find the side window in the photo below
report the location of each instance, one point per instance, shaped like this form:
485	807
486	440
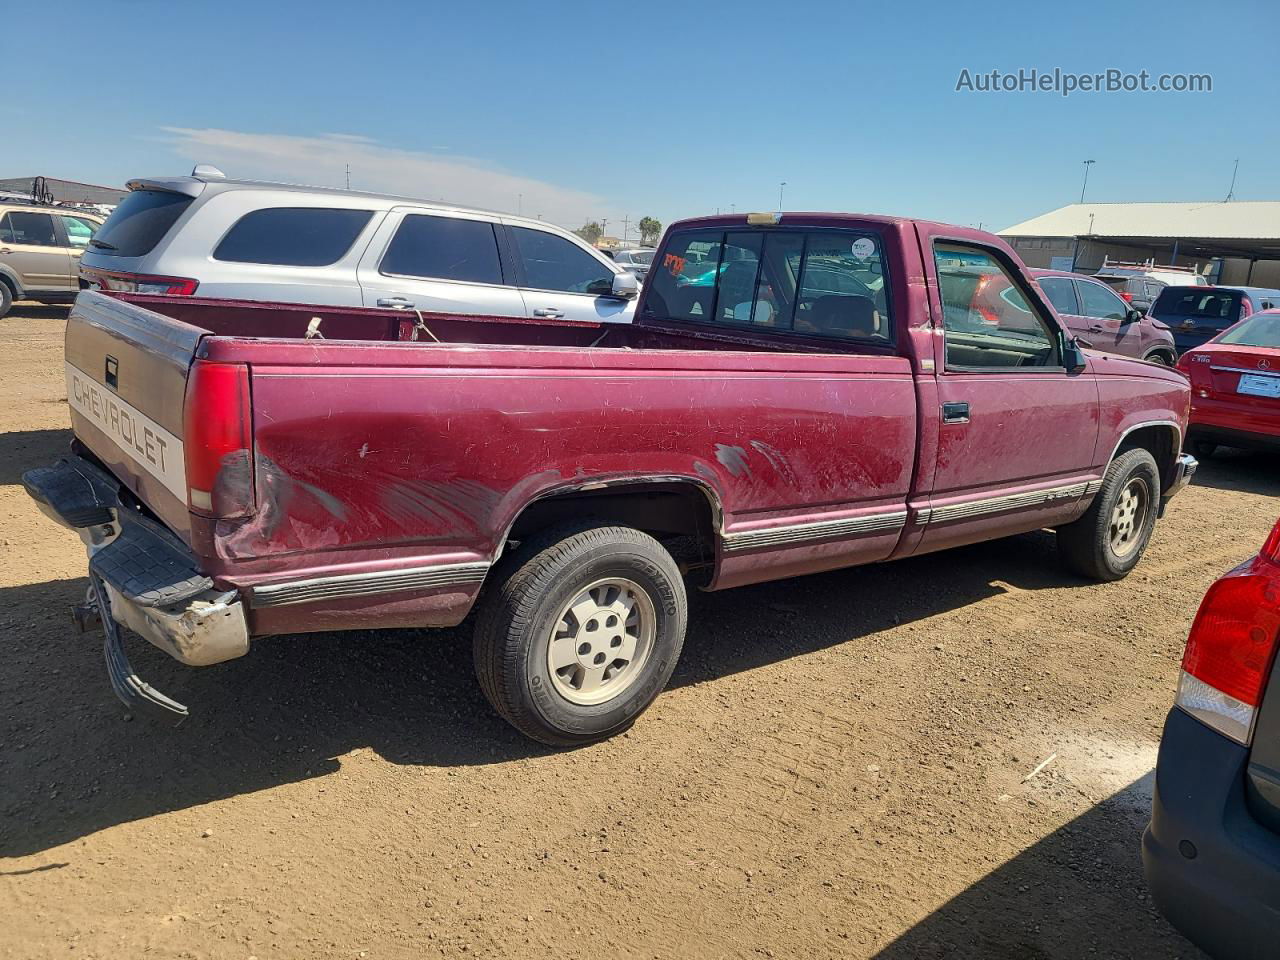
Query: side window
292	236
444	248
1097	301
6	232
987	321
1060	293
35	229
827	283
79	231
554	263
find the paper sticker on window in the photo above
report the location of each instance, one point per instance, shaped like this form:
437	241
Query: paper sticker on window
863	248
674	264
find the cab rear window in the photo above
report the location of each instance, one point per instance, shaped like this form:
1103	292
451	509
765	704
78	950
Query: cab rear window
139	222
292	236
827	283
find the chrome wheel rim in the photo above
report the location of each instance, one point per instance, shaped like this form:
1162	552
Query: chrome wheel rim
1128	517
601	641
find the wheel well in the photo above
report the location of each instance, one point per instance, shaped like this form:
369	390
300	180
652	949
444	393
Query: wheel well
1163	352
679	515
1160	440
9	282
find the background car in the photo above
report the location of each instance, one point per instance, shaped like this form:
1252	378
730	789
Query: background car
1195	313
1093	311
40	249
1212	851
634	261
1235	387
1140	283
207	235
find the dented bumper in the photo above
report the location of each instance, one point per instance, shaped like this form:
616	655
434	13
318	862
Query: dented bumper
141	577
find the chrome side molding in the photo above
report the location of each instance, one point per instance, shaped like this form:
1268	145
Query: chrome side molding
815	530
368	584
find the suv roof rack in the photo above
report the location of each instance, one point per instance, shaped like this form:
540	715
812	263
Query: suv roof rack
1148	264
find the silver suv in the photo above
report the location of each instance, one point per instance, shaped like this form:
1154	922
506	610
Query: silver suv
206	235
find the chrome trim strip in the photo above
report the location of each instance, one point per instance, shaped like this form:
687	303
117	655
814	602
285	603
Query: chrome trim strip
1011	501
923	514
1255	372
368	584
817	530
1092	487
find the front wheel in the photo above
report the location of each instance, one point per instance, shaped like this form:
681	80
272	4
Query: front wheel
581	633
1108	541
6	298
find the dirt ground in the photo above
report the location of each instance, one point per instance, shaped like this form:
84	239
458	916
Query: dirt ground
838	770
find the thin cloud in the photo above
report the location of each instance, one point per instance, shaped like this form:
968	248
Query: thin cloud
322	160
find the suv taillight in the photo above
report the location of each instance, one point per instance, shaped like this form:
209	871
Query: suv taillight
115	281
1232	644
217	439
1126	296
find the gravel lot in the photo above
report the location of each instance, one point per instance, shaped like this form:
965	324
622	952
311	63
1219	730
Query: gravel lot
839	769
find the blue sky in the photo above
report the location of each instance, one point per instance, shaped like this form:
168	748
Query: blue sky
577	110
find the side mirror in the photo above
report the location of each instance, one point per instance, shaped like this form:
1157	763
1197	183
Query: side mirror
1132	316
1073	357
625	286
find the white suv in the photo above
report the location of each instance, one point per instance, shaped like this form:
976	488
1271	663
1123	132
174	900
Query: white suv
206	235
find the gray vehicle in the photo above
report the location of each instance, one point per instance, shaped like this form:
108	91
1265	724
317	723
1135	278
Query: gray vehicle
207	235
634	261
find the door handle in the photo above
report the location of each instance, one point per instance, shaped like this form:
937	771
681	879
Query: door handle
549	312
1096	330
955	413
396	303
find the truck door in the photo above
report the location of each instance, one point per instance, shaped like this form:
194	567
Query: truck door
1016	429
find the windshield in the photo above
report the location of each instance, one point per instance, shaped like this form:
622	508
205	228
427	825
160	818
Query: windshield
1260	330
642	256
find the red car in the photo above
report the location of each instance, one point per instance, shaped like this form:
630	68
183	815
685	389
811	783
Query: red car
1235	387
1212	851
247	469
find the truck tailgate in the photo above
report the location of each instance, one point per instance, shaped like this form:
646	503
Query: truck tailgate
126	370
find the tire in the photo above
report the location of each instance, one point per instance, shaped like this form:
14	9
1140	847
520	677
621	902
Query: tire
614	575
6	298
1203	449
1160	357
1097	545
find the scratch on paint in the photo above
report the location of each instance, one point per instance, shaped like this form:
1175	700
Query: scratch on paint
364	450
734	459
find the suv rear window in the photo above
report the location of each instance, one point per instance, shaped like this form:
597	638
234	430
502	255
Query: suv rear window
292	236
138	223
824	283
1205	303
444	248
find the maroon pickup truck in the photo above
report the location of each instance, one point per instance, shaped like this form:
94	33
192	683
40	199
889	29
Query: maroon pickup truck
799	393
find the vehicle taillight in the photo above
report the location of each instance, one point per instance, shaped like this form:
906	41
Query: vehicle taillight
218	440
1127	297
119	282
1232	644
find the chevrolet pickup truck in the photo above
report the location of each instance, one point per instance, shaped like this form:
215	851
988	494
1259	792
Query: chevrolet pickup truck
799	393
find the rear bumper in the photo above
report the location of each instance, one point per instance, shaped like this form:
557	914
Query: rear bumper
1213	870
142	576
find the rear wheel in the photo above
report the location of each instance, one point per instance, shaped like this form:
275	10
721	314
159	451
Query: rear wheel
1160	357
580	633
1108	541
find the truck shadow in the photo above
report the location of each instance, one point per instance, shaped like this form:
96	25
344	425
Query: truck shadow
1246	471
20	450
74	765
1078	892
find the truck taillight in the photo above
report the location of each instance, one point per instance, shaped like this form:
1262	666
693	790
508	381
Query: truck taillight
1232	644
218	440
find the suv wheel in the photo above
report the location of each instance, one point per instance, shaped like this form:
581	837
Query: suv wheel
6	298
1160	357
581	633
1108	541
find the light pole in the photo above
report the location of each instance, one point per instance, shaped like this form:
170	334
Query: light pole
1087	164
781	186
